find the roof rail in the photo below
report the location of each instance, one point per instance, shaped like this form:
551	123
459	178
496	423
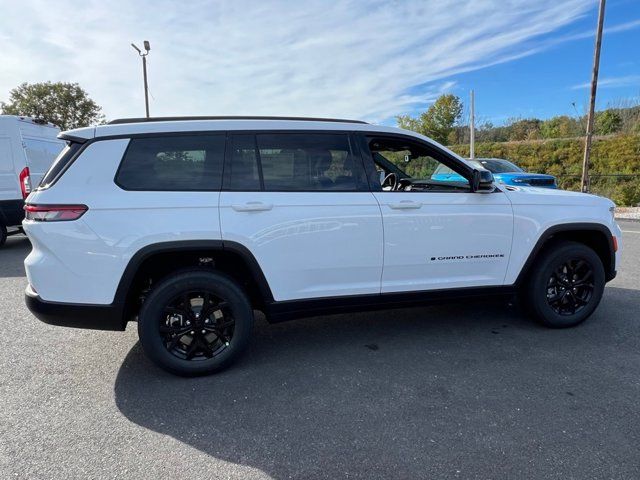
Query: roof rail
119	121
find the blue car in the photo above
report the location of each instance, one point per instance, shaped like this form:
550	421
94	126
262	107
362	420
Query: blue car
503	171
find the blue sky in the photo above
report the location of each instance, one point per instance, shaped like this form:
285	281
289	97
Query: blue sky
370	59
547	83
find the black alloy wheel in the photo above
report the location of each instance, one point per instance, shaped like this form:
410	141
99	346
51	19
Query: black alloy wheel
565	284
570	287
195	322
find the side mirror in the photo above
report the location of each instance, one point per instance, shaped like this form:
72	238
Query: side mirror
482	181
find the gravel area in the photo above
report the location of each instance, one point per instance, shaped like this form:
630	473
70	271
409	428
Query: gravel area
628	213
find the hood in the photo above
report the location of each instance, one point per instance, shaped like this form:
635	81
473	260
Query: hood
548	196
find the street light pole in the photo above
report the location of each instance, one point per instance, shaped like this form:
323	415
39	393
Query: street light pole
144	54
584	184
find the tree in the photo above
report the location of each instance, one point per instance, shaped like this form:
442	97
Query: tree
608	122
66	105
524	129
560	127
438	121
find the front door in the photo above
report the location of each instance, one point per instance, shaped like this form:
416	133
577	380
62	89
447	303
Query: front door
437	234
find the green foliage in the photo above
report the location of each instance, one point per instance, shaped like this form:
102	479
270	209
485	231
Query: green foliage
561	126
66	105
438	121
617	155
524	129
608	122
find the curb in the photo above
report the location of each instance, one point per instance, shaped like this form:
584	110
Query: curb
625	219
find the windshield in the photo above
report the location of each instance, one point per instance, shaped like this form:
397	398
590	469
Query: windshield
497	166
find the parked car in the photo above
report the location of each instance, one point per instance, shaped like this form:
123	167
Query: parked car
27	149
504	172
188	225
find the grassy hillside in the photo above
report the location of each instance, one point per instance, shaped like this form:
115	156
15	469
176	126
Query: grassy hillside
615	162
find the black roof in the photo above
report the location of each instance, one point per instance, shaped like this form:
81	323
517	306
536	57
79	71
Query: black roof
174	119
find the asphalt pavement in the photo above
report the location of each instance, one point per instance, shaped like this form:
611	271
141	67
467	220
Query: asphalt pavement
468	390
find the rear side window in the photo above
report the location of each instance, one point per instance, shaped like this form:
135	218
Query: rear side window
60	164
173	163
290	162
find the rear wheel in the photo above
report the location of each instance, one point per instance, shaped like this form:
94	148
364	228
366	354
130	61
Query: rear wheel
3	234
566	285
195	323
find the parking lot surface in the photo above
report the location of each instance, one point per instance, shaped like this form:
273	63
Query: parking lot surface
469	390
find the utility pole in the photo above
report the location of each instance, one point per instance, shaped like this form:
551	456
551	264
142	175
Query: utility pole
472	129
584	185
144	54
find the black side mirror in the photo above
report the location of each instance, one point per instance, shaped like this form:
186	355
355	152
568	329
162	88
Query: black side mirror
482	181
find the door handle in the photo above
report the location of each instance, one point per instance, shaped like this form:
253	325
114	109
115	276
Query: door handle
252	207
405	205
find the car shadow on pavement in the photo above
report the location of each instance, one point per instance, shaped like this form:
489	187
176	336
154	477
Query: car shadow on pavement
12	255
423	392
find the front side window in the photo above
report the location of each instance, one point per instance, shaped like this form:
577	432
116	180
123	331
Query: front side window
173	163
289	162
405	165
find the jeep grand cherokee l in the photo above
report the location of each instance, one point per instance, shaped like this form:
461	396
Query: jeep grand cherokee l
188	225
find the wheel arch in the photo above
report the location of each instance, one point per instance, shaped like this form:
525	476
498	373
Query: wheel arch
596	236
155	261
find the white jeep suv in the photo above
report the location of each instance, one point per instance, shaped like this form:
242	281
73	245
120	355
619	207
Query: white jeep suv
187	225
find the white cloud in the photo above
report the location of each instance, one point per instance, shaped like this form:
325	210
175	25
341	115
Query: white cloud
360	59
612	82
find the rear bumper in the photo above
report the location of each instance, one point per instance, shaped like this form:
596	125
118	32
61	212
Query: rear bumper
96	317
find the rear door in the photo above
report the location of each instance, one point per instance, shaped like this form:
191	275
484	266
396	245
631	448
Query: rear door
9	188
300	202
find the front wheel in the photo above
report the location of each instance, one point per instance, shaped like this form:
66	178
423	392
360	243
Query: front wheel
3	234
195	323
566	285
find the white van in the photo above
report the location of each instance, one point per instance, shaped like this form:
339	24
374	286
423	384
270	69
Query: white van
27	149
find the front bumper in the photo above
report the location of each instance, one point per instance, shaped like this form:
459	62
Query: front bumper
96	317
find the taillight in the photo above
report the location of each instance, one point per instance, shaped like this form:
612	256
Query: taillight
25	182
54	213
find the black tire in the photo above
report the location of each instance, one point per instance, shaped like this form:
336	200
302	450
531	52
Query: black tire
565	285
164	309
3	234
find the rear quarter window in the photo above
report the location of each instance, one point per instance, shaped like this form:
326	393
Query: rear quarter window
60	164
173	163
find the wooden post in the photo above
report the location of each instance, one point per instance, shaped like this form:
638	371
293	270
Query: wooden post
472	129
584	186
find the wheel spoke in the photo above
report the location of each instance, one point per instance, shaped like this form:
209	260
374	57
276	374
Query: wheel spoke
193	348
226	324
204	311
174	342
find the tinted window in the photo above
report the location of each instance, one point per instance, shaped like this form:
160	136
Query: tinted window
309	162
60	164
243	171
176	162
